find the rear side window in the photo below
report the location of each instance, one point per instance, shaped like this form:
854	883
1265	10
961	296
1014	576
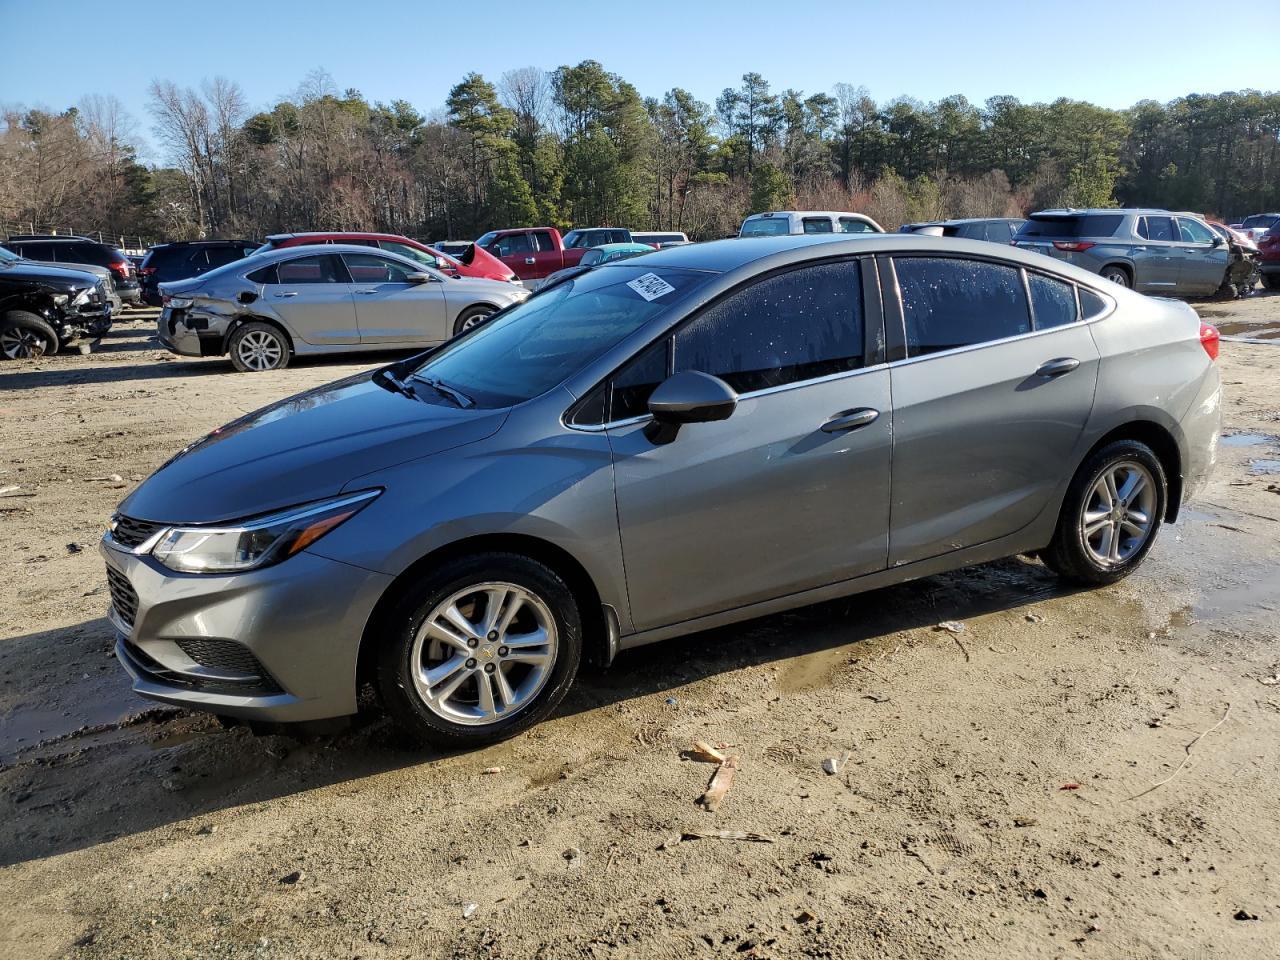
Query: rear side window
817	225
1089	225
1091	304
263	275
854	225
1053	303
786	328
1157	228
542	242
315	269
949	303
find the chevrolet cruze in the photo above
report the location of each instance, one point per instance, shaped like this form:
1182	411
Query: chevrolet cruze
703	435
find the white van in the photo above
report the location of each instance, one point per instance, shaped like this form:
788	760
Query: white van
779	223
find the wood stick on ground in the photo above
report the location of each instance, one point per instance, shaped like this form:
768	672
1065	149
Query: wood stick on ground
721	781
963	648
705	752
1187	751
726	835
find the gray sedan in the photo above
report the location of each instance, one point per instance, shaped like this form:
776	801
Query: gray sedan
336	298
653	448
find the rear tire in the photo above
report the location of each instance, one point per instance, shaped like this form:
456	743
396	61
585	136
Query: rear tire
483	647
26	336
472	317
1118	275
256	347
1106	528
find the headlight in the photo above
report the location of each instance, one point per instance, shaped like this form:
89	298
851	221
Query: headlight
180	303
82	297
60	299
256	543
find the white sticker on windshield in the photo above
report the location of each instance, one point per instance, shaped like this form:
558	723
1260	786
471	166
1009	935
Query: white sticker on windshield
650	286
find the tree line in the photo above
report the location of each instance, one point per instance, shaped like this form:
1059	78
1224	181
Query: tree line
579	146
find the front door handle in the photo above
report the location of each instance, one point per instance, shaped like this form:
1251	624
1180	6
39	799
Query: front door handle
366	293
851	420
288	293
1058	367
530	261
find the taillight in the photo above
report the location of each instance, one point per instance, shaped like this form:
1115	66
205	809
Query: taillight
120	267
146	271
1073	246
1209	339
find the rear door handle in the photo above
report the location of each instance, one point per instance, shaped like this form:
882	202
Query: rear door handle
366	293
851	420
529	260
1058	367
288	293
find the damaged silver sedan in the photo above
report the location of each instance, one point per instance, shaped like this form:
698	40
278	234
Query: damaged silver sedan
338	298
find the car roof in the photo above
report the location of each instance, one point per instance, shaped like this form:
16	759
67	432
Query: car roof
200	243
336	233
962	220
610	247
809	213
1094	211
765	253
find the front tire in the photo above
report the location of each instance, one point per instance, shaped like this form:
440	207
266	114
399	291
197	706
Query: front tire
472	317
25	336
481	649
256	347
1110	516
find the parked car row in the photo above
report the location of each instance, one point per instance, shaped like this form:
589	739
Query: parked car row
82	253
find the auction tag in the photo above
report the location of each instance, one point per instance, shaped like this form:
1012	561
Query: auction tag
650	286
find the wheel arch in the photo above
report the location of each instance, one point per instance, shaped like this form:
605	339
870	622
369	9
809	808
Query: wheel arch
1162	444
1124	265
596	629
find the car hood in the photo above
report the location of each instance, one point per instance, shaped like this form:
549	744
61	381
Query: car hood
35	270
303	448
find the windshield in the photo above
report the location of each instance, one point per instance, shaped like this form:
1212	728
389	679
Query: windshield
766	227
527	350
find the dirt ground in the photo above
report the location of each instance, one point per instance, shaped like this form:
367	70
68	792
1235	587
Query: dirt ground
1075	774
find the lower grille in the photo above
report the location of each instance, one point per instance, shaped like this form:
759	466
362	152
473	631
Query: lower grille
129	532
223	655
123	597
250	686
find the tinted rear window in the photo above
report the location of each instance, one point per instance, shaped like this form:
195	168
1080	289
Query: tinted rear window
1089	225
1259	220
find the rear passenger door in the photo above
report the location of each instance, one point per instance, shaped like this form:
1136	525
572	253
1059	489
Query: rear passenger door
1155	260
792	491
989	402
312	295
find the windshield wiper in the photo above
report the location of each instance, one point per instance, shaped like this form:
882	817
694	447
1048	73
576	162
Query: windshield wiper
387	380
442	388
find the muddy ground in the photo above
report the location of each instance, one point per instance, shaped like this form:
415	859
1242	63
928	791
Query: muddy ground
1033	787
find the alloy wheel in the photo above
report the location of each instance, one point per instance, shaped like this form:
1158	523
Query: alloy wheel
19	343
1118	513
476	319
259	350
484	653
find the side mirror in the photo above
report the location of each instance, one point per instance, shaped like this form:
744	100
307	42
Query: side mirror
421	278
688	397
1217	241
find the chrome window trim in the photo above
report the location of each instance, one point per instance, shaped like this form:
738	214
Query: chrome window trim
969	348
752	395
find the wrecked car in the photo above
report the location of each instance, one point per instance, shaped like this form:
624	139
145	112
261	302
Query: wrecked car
338	298
44	308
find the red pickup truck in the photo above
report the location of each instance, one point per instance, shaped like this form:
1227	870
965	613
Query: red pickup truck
535	253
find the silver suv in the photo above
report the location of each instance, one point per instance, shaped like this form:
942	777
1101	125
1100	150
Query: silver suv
1151	251
658	446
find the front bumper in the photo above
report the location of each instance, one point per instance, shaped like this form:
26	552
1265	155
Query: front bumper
278	644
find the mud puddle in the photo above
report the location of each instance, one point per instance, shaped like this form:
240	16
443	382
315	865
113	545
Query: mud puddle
1246	439
92	707
1245	332
1264	466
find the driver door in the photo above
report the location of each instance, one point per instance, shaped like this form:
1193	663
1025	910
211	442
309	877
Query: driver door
781	497
392	310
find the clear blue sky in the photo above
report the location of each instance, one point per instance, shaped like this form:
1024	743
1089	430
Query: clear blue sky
56	51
